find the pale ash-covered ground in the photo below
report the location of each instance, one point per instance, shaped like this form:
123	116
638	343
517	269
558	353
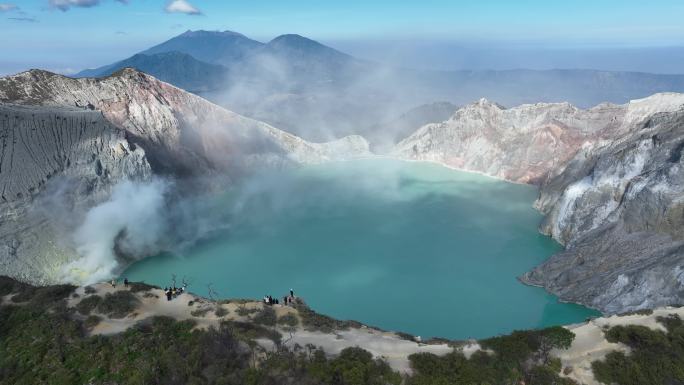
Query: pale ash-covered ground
42	148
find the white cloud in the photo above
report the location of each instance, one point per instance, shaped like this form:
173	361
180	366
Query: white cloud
182	6
6	7
64	5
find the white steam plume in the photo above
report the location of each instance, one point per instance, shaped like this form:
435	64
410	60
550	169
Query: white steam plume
130	222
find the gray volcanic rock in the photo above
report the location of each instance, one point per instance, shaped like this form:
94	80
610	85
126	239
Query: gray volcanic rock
611	188
67	142
181	133
528	143
40	144
619	208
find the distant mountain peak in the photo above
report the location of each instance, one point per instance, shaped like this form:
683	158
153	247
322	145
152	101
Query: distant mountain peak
300	45
205	33
294	40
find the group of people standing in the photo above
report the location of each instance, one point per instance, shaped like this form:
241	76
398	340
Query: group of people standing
173	292
114	281
287	300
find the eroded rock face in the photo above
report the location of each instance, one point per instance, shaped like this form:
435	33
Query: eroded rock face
181	133
612	189
42	148
76	138
528	143
619	209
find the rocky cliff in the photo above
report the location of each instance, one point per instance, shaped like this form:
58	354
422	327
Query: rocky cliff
180	132
611	183
74	139
619	209
42	147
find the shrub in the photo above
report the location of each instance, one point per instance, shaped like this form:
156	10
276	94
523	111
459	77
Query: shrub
118	304
655	357
288	319
221	311
406	336
672	322
89	290
44	296
266	316
92	321
9	285
637	312
244	311
201	312
136	287
319	322
87	304
356	366
250	331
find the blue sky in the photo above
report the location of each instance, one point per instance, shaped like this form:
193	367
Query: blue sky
68	35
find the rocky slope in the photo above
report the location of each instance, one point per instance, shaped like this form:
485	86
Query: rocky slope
76	138
611	184
619	208
181	132
41	148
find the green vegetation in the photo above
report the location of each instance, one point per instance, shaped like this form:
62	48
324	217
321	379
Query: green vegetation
9	286
266	316
88	304
405	336
637	312
320	322
118	304
89	290
44	342
92	321
244	311
288	320
201	312
221	311
655	357
248	332
136	287
515	358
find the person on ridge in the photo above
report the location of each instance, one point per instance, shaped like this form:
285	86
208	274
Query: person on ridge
125	282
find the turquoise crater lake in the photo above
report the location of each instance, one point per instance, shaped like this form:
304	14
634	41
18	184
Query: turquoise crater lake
406	246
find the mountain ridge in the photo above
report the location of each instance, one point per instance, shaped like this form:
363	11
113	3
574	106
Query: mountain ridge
170	133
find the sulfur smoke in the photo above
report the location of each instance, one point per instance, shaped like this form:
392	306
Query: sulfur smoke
130	223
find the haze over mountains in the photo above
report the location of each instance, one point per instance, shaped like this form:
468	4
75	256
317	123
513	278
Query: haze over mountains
609	175
319	93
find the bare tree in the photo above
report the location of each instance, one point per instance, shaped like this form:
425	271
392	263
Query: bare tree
213	295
